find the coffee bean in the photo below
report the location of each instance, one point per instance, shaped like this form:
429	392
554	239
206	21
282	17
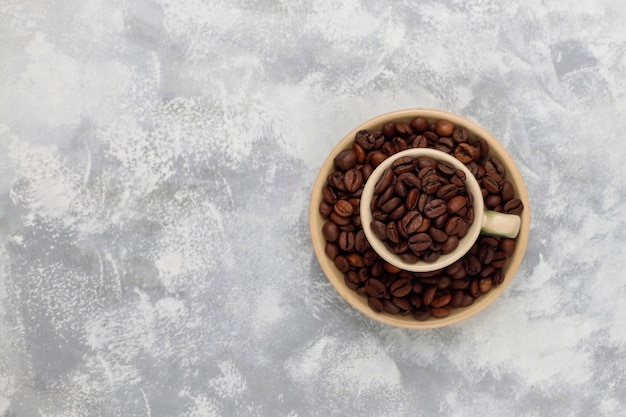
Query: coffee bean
387	195
325	209
384	182
441	300
484	285
353	179
507	192
499	259
472	264
403	305
507	246
514	206
375	304
456	204
428	296
491	184
375	288
460	135
365	140
332	250
343	208
342	264
411	199
389	130
391	205
401	287
355	260
345	160
339	220
451	243
376	158
398	213
464	152
330	231
403	165
446	192
419	124
431	183
379	229
435	208
453	225
392	232
403	129
444	127
420	242
440	312
359	152
346	241
412	221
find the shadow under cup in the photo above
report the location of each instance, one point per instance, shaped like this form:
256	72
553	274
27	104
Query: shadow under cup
487	222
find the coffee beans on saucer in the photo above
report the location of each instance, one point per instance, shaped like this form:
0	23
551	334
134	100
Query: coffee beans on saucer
404	213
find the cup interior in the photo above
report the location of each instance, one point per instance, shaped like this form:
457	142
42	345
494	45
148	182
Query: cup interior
465	243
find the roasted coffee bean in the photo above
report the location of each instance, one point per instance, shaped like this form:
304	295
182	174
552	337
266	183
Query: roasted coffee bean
421	314
403	129
464	152
441	300
409	257
330	231
497	277
446	192
491	183
431	183
329	195
390	307
460	284
403	165
432	138
456	204
403	304
339	220
391	205
361	243
367	170
400	288
389	130
325	209
387	195
375	288
420	242
445	145
345	160
375	304
359	152
507	192
440	312
410	180
460	135
472	265
494	164
365	140
412	221
384	182
499	259
343	208
411	199
429	295
451	243
514	206
353	179
355	260
435	208
332	250
398	213
346	241
443	282
376	158
507	246
342	264
335	180
453	225
474	288
392	232
400	189
492	201
379	228
431	255
419	124
437	235
444	127
392	269
485	254
484	284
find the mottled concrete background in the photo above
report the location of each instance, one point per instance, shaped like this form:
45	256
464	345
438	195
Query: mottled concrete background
156	159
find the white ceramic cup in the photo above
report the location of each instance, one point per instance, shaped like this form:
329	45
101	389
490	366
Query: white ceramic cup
485	222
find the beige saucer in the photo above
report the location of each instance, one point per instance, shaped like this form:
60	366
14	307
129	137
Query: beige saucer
336	278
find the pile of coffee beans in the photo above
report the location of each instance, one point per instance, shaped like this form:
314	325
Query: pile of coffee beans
388	288
421	208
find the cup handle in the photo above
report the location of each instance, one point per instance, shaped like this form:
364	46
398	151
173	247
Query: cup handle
500	224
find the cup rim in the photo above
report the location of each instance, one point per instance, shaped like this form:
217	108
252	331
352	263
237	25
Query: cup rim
465	243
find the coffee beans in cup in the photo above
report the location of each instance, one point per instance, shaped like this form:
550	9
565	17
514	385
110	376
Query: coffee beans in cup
422	295
421	208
